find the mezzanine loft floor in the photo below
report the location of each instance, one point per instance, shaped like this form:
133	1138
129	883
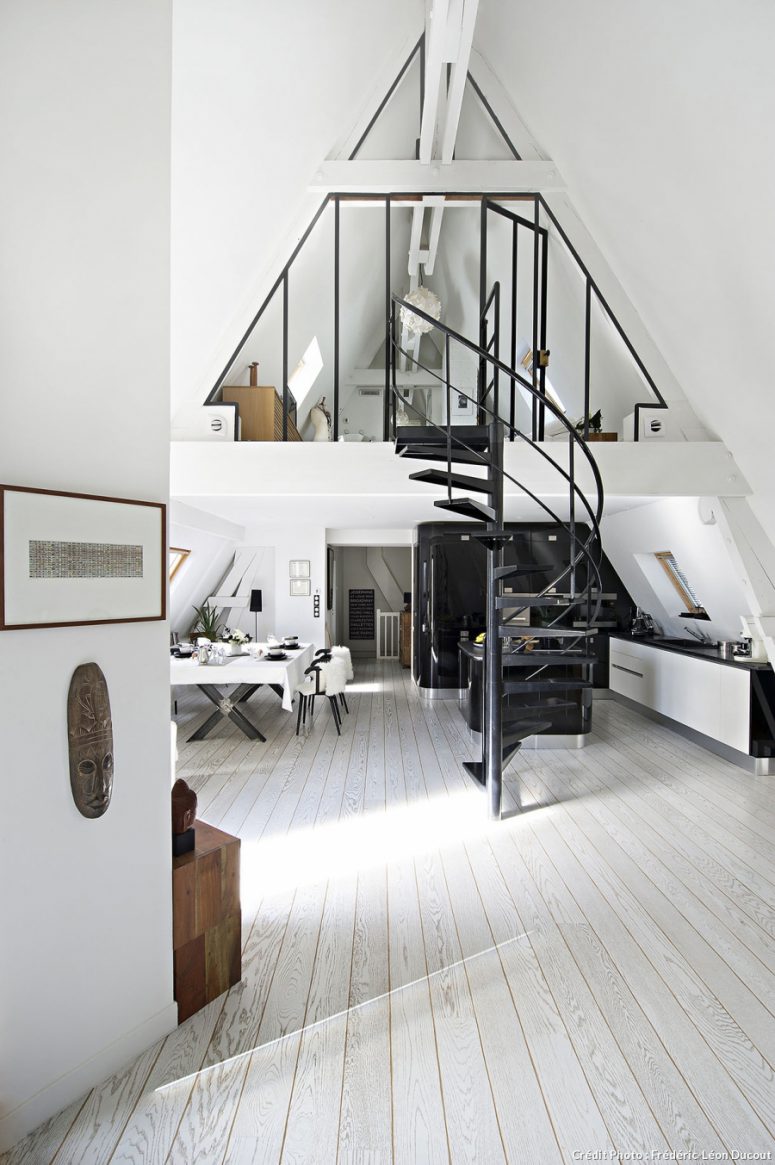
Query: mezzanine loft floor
418	985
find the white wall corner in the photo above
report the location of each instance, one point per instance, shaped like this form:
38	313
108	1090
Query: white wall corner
754	557
630	320
498	98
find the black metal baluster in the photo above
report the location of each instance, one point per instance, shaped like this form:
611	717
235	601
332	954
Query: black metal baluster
336	319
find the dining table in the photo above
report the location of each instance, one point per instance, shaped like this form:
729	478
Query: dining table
243	674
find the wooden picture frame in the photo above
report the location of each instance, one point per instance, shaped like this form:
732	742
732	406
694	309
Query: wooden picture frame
74	559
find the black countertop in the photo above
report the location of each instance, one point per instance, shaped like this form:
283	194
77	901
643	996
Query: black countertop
696	651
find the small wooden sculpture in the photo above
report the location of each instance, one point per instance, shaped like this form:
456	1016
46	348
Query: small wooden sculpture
184	802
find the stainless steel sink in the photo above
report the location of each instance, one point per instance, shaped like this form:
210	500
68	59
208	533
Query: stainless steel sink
693	644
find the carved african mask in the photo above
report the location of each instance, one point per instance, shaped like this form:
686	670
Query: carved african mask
90	740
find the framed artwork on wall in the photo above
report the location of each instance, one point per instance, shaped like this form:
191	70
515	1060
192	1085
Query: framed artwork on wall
301	588
462	408
70	559
299	568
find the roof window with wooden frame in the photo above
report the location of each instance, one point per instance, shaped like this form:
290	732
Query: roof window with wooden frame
176	559
681	584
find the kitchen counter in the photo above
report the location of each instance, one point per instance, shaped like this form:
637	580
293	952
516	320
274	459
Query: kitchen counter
695	650
570	715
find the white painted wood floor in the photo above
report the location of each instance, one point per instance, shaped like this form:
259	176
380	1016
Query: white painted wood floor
594	974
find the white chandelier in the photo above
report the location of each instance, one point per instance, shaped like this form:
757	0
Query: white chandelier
425	299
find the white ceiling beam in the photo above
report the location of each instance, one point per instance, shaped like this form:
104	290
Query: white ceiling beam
452	34
435	40
433	238
410	177
415	237
457	84
405	202
498	98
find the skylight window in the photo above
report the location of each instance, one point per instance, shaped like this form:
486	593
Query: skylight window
694	608
177	557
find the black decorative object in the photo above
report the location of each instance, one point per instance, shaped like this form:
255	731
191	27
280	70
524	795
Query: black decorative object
329	579
256	607
361	621
316	605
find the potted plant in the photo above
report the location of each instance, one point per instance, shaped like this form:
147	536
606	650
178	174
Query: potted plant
207	623
235	640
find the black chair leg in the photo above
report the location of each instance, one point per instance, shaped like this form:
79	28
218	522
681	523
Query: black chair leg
335	711
298	716
343	702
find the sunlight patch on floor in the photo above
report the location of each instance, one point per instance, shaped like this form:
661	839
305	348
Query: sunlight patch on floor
339	848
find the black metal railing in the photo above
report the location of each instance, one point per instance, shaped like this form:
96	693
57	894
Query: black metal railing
586	552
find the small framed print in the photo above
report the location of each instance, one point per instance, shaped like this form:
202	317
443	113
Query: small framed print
300	588
299	568
72	559
461	407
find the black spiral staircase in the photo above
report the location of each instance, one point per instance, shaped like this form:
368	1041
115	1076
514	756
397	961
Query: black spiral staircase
539	650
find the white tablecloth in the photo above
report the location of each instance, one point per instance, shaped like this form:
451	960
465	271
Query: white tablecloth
241	669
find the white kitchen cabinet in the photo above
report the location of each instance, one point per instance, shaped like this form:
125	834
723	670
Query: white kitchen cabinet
712	698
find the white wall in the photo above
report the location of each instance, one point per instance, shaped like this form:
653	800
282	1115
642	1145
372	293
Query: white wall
262	94
211	542
354	573
638	104
702	553
86	972
294	615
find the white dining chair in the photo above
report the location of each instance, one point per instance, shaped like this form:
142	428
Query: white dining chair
324	678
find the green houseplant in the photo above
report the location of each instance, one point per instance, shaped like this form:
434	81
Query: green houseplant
207	624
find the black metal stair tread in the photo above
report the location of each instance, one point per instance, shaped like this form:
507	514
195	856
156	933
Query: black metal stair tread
503	601
525	568
493	538
525	711
522	731
548	632
534	659
468	507
456	480
475	436
436	453
475	768
514	687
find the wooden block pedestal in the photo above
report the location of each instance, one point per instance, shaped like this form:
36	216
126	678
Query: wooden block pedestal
206	919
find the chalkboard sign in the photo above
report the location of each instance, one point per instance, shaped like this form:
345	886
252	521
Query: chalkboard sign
361	614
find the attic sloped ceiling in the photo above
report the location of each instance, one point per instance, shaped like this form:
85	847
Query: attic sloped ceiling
261	93
659	116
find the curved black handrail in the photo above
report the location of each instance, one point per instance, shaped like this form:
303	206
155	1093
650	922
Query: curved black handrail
512	373
583	549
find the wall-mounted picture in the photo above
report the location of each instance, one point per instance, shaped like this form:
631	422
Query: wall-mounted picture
300	588
68	559
461	406
299	568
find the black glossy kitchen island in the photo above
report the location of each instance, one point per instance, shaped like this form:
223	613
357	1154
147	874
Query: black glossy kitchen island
568	709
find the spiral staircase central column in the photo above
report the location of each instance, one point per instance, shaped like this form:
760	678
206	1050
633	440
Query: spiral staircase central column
493	691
